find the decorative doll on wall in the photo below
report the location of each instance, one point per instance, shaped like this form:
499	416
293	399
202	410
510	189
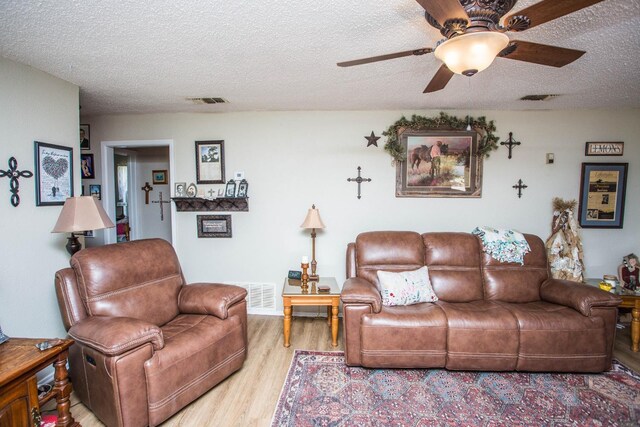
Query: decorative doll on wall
564	245
628	272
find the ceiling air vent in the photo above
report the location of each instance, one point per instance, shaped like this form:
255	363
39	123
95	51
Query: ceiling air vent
538	97
208	100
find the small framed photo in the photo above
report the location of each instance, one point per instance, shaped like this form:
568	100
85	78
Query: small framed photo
192	190
214	226
604	149
84	137
210	162
87	166
88	233
96	191
243	188
160	176
230	190
53	173
82	188
602	194
180	189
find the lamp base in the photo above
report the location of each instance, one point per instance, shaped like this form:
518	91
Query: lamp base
73	244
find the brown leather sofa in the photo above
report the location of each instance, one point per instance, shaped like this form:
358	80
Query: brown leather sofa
490	315
147	344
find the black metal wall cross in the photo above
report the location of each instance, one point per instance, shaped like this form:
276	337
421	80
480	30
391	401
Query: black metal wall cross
359	180
13	173
520	187
510	143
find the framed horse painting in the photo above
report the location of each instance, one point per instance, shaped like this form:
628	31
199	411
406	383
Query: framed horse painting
439	164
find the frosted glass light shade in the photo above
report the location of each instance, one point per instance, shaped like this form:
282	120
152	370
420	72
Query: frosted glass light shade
471	53
82	214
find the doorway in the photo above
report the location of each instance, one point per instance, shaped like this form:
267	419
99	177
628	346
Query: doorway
127	168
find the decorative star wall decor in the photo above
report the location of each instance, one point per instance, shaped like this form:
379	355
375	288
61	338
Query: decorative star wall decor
359	180
373	139
13	174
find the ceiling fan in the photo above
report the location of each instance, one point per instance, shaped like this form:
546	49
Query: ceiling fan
474	36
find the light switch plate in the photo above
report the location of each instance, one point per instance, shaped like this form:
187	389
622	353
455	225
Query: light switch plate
239	175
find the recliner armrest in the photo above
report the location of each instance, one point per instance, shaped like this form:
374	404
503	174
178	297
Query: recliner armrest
116	335
209	298
360	291
578	296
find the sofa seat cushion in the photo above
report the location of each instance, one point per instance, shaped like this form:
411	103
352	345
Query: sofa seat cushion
558	338
404	336
482	335
199	352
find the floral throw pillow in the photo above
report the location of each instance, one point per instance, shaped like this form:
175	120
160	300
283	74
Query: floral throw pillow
406	288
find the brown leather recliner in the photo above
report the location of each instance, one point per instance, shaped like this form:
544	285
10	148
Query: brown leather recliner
147	344
490	315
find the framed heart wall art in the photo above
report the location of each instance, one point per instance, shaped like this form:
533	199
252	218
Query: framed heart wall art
54	173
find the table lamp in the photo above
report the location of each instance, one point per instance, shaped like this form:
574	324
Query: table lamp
80	214
313	221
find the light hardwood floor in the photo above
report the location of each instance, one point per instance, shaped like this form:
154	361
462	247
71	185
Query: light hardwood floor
249	397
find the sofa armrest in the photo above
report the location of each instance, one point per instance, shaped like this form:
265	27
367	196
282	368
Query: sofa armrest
578	296
116	335
209	298
360	291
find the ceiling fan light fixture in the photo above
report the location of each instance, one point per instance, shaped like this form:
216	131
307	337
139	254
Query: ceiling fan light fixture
471	53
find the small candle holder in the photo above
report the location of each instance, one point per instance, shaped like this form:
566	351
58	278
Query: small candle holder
305	277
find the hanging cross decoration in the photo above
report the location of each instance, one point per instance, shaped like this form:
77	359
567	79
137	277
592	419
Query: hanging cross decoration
212	193
161	202
146	190
13	173
359	180
510	143
520	187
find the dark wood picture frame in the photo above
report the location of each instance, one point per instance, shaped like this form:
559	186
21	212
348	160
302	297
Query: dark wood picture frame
95	190
604	148
87	166
53	173
85	138
214	226
210	162
457	172
160	176
602	195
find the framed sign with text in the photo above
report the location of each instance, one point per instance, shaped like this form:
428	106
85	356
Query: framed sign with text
604	149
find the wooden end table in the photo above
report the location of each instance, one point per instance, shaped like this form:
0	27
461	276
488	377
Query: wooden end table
629	300
20	360
292	295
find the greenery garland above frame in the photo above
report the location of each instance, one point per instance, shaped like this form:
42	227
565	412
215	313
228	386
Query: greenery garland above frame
488	141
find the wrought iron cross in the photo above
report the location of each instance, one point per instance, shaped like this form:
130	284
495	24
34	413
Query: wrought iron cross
510	143
161	202
212	193
13	173
146	190
359	180
520	187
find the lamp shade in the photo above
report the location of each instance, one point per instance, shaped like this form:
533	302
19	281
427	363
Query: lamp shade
471	53
82	214
313	219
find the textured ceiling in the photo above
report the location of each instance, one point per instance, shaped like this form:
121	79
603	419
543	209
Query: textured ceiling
138	57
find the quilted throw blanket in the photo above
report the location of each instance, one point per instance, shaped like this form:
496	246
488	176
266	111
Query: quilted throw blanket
503	245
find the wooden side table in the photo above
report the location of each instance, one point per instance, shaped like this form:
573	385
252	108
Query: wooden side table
292	295
20	360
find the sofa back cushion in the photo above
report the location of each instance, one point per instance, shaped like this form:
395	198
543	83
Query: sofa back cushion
388	251
139	279
512	282
454	266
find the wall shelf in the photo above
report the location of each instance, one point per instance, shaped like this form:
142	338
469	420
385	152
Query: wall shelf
198	204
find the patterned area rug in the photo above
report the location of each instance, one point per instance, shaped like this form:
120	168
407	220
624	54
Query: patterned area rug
320	390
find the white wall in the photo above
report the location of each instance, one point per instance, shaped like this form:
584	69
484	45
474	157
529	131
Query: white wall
150	224
295	159
34	106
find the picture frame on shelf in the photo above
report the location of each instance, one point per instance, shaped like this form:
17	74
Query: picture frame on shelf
85	143
214	226
88	234
210	162
439	163
602	195
604	148
243	188
160	176
53	173
192	190
96	191
180	189
230	189
87	166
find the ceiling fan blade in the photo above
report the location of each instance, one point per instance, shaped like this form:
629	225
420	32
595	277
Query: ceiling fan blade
442	10
416	52
548	10
543	54
440	80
